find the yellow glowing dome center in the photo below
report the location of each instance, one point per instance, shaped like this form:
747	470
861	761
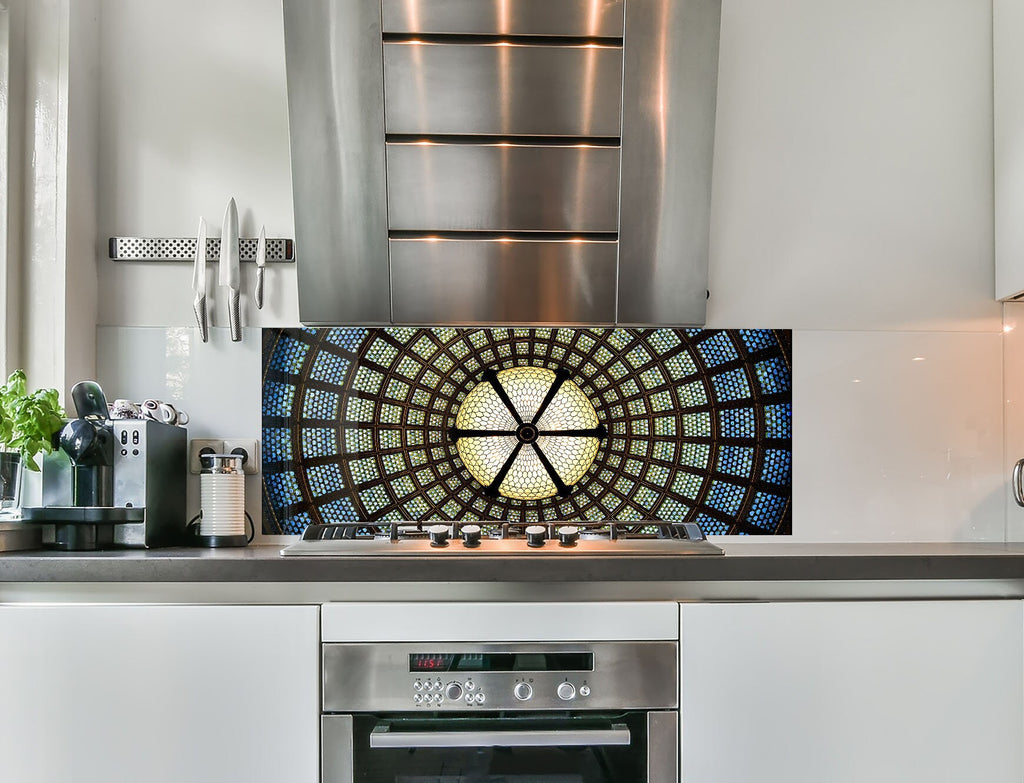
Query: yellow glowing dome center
527	433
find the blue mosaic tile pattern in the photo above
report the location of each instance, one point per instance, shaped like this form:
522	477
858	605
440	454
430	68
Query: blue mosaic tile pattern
355	425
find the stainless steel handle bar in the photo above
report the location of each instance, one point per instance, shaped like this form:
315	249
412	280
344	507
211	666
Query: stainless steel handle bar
383	737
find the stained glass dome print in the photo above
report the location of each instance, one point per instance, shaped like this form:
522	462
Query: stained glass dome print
386	424
526	433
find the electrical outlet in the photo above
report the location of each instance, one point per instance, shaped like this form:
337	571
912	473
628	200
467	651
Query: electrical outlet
197	446
250	450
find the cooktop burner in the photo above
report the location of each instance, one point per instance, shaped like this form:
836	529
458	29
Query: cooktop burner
653	538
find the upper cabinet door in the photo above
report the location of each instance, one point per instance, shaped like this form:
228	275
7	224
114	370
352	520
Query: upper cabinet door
502	161
1008	107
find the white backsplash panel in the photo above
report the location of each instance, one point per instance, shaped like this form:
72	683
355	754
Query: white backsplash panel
683	425
898	436
216	383
1013	394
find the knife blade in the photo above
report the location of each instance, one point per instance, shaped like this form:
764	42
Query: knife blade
261	262
199	282
229	274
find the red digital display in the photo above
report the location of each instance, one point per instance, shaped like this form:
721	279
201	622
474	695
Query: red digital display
430	662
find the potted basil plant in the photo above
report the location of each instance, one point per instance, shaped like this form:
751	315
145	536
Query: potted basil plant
28	423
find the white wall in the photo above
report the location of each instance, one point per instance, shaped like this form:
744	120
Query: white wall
852	203
194	112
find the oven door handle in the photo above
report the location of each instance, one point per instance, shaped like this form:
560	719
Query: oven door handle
383	737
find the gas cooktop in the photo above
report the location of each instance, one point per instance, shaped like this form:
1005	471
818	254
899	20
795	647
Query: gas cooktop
643	538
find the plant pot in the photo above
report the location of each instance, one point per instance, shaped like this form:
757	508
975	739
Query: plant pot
11	469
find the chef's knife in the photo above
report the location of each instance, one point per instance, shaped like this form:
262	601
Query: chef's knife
261	262
199	282
229	275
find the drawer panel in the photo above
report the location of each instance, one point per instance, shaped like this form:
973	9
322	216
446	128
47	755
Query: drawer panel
502	89
592	18
502	281
502	187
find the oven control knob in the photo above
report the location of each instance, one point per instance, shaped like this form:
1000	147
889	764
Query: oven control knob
584	690
438	535
566	691
471	535
522	691
453	692
568	535
535	535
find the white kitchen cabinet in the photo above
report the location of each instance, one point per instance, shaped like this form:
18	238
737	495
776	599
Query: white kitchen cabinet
1008	131
203	694
858	692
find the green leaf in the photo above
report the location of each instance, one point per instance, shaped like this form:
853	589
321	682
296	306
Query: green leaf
28	422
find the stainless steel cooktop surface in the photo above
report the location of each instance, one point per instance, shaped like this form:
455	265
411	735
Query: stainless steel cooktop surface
412	539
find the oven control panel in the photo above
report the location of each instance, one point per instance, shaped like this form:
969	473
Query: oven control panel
439	692
520	676
442	693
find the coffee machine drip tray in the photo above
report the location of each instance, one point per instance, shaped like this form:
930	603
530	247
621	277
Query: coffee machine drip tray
78	528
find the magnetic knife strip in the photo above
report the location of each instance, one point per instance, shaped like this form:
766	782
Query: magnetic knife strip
279	251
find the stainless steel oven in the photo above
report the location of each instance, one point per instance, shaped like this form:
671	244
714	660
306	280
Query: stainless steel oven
524	712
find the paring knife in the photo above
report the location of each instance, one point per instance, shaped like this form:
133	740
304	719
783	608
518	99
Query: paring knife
261	262
199	282
229	275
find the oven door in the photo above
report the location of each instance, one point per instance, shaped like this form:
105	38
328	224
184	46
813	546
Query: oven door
631	747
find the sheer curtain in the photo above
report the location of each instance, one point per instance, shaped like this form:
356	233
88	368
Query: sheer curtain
5	200
48	160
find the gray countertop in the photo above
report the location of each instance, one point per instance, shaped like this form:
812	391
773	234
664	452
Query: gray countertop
744	561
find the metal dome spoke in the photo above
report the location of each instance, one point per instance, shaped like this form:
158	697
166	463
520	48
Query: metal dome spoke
561	376
455	433
597	432
560	485
492	378
492	488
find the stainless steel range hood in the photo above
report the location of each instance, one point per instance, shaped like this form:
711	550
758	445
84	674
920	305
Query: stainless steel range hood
502	161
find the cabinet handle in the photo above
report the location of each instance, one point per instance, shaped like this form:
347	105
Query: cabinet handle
1018	486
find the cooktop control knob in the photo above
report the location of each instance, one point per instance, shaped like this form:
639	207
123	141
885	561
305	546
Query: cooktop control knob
568	535
566	691
471	535
438	535
523	691
535	535
453	692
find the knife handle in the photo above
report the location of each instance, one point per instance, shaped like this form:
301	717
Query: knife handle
235	317
199	305
258	293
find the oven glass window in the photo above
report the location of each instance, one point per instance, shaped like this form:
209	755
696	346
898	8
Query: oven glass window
476	755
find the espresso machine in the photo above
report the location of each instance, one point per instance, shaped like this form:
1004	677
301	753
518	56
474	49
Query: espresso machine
117	482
